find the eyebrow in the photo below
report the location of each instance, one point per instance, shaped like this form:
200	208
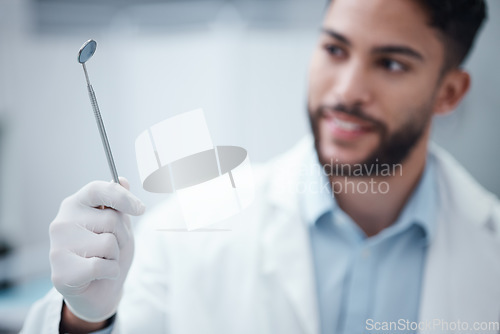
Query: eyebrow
396	49
336	35
391	49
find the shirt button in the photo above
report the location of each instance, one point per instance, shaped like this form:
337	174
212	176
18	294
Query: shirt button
365	253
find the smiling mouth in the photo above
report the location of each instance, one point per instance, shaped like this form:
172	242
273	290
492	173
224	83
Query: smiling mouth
345	125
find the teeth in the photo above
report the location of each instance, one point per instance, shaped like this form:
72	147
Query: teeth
346	125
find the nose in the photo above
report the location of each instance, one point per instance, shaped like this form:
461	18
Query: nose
352	85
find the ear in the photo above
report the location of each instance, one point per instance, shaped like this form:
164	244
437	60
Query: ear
454	85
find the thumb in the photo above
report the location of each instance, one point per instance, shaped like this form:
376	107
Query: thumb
124	182
111	195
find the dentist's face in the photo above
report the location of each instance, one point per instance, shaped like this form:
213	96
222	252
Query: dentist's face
372	81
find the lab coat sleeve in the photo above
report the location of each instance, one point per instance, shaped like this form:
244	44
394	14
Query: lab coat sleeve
45	315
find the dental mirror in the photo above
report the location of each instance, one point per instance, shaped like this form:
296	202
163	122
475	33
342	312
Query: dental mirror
85	53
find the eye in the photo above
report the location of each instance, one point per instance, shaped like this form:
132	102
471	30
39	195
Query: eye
392	65
334	50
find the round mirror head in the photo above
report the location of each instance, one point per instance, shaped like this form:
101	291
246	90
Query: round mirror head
87	51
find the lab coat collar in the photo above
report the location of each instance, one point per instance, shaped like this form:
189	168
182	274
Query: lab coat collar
286	172
315	190
464	194
462	268
287	254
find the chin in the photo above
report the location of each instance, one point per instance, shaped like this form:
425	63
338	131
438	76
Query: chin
332	152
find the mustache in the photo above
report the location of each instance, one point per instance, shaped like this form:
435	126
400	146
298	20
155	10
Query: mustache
354	110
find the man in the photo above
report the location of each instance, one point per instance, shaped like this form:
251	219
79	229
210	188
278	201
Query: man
408	242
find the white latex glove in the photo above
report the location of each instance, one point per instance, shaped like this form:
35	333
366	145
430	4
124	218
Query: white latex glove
91	249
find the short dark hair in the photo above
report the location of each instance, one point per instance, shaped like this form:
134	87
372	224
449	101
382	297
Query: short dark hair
458	22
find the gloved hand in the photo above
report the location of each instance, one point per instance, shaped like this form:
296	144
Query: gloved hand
91	248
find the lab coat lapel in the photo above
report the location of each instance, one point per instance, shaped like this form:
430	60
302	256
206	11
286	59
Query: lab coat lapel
463	264
286	252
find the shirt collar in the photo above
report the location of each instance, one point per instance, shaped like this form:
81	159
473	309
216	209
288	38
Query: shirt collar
420	210
316	192
421	207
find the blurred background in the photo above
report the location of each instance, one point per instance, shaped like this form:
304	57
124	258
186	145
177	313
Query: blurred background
243	61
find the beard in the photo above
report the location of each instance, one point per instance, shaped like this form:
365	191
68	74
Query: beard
394	146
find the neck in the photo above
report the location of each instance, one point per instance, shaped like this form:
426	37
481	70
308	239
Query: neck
375	203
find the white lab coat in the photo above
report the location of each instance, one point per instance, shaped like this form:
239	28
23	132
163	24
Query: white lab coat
259	277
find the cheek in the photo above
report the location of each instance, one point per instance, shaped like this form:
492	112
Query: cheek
319	80
400	99
407	107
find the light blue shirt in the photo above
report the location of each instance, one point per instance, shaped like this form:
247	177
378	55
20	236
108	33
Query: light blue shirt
361	280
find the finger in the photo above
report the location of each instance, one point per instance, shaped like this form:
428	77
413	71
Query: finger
124	182
103	269
104	246
108	221
111	195
72	273
75	234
